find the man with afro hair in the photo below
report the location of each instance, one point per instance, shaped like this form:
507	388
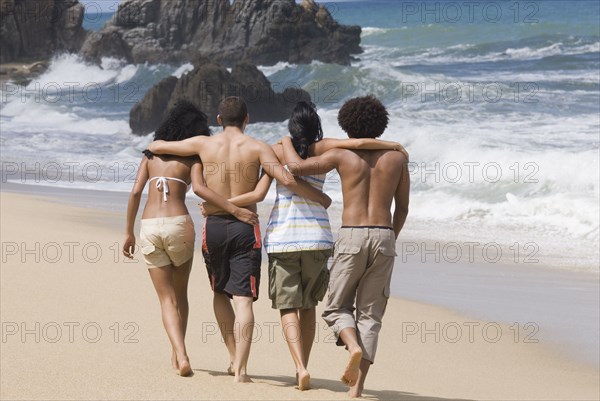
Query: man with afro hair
364	252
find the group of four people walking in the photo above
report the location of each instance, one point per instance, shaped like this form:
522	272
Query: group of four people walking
232	172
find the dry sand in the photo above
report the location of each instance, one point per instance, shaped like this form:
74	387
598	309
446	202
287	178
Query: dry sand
78	323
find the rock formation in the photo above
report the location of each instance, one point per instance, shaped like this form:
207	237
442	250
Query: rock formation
205	86
256	31
36	29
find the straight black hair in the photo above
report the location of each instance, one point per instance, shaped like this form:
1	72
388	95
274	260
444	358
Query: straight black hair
305	127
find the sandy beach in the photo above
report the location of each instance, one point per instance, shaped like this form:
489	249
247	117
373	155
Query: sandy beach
79	323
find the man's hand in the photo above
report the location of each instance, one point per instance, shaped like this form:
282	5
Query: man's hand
208	209
246	216
400	148
243	215
129	246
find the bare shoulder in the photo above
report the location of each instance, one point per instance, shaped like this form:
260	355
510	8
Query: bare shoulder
200	139
394	157
278	149
260	145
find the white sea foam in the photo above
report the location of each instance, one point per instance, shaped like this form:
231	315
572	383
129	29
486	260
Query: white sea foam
184	69
270	70
371	31
435	55
70	69
558	209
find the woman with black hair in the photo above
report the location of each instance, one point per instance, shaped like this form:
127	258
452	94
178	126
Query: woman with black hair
299	240
167	231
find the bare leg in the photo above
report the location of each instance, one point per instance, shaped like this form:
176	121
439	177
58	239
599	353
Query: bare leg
293	337
181	278
350	376
244	324
308	328
226	321
162	278
357	389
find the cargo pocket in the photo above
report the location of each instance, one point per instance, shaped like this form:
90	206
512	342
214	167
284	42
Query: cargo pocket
386	297
343	249
175	248
148	249
387	250
342	259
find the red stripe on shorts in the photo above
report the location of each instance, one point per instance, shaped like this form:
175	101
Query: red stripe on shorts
204	246
253	285
257	244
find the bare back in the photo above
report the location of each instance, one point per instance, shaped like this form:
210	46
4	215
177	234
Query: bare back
231	164
175	167
369	182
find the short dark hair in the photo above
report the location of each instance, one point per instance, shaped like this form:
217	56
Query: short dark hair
183	121
233	111
363	117
305	127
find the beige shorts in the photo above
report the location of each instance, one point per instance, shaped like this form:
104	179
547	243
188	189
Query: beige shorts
298	280
167	240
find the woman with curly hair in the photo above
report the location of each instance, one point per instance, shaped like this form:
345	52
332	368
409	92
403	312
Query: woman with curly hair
167	231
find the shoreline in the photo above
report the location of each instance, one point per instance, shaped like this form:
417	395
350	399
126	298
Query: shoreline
535	296
458	252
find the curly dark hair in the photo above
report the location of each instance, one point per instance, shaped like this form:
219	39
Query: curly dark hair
305	127
363	117
183	121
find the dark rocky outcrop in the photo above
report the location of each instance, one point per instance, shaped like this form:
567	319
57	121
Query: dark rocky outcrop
256	31
205	86
36	29
146	115
109	43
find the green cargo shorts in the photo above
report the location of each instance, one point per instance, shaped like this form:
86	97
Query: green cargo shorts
298	280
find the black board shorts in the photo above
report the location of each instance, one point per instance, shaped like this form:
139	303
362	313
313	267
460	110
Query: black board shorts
232	253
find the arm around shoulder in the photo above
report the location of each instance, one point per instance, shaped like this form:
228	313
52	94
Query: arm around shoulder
313	165
187	147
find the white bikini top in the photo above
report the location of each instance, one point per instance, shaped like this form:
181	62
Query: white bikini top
162	183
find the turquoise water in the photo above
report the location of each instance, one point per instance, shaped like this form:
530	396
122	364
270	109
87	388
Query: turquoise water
499	110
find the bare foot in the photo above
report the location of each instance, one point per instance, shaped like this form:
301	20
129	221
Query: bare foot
174	361
242	379
352	369
303	379
185	368
230	370
355	392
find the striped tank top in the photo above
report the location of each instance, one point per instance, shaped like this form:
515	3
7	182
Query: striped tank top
297	224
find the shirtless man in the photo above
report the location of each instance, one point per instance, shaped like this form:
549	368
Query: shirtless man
365	248
231	248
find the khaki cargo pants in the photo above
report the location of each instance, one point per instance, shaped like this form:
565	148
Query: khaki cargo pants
360	277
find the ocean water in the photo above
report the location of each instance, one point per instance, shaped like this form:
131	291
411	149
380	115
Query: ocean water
497	103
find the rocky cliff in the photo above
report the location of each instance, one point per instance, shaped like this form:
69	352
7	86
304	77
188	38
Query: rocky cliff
256	31
205	86
36	29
